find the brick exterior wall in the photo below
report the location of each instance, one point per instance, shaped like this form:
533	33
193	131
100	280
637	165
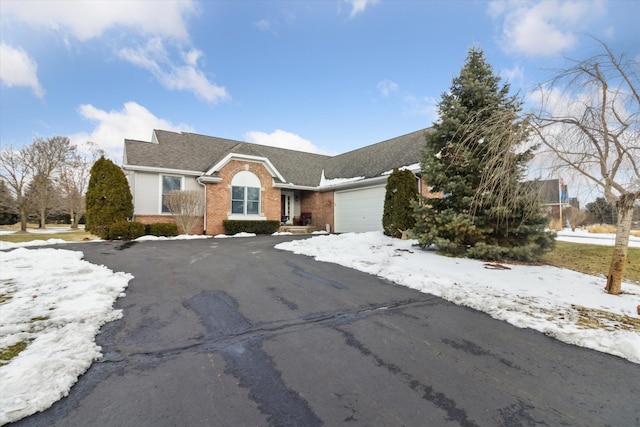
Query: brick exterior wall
219	195
425	191
165	219
320	204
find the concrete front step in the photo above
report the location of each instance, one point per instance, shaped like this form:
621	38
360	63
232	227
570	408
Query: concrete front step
297	229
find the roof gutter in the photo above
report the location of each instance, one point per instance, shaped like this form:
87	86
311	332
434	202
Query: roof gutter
161	170
208	179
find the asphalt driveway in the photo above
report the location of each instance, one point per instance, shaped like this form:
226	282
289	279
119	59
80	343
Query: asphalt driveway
231	332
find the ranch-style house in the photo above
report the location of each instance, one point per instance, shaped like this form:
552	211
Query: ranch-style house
246	181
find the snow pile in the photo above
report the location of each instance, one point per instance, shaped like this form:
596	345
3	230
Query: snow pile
147	238
570	306
584	237
241	234
10	245
58	317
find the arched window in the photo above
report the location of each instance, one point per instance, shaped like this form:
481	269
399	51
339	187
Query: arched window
245	194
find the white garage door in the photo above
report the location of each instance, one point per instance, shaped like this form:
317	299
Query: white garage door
359	209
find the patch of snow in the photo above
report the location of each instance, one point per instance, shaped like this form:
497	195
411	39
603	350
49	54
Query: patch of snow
58	317
10	245
583	236
413	167
226	236
282	233
178	237
324	182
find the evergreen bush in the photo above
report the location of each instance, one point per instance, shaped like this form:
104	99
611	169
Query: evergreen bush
401	190
258	227
125	230
162	229
108	198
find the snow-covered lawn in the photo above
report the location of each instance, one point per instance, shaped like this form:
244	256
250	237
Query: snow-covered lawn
56	303
59	317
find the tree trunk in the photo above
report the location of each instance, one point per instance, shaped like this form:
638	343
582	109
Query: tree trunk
72	219
43	218
621	246
23	219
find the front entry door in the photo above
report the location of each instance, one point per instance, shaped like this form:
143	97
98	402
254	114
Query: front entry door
286	207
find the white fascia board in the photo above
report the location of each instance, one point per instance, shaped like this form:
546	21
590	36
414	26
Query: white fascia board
245	157
161	170
342	186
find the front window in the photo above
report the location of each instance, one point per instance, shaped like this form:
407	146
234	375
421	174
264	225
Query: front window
169	183
245	194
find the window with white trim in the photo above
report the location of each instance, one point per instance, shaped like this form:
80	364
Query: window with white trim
169	183
245	194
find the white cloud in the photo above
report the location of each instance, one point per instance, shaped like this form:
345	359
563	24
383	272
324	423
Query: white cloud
543	28
282	139
387	87
263	25
88	19
513	75
425	106
359	6
157	21
157	60
132	122
413	105
17	68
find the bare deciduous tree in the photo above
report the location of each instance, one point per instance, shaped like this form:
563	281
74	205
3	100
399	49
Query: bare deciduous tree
186	206
46	156
16	171
43	198
589	120
72	181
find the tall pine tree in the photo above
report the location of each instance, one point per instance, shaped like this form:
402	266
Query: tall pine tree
475	157
108	197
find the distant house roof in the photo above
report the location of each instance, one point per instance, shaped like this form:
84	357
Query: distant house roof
198	153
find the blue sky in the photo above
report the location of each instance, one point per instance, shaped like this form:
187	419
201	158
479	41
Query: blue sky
327	76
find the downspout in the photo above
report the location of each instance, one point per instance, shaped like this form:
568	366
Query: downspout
204	219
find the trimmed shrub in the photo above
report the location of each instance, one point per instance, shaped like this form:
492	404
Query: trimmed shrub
125	230
258	227
108	198
398	214
162	229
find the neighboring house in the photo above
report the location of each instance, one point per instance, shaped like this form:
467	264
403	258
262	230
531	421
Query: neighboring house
245	181
554	193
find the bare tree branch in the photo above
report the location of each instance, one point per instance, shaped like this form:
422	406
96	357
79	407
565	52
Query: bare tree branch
186	206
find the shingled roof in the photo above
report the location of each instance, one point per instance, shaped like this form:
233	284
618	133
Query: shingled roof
198	153
377	159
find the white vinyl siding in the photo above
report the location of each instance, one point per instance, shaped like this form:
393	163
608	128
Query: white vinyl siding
147	190
359	210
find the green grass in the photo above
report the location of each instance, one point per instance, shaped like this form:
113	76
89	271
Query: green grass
10	352
591	259
70	236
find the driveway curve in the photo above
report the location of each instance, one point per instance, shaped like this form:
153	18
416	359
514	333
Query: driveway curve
232	332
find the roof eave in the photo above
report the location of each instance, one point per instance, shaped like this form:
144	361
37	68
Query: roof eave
155	169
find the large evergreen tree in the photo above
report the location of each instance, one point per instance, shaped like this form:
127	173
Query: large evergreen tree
401	190
475	157
108	197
